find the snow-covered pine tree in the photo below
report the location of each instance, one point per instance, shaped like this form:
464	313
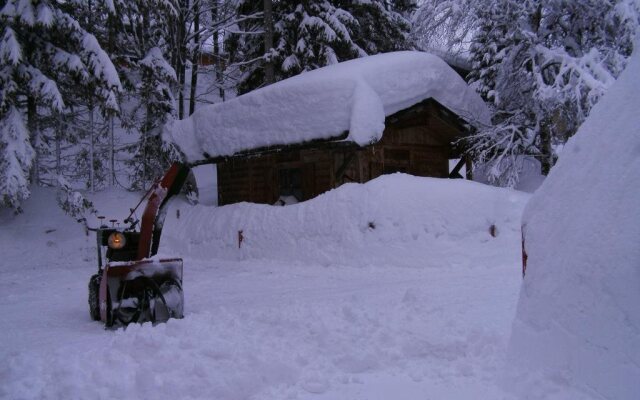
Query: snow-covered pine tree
312	34
380	26
97	103
543	65
16	156
157	103
498	149
140	43
406	8
73	202
43	45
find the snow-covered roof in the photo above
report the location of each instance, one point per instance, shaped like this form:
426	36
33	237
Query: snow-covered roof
354	96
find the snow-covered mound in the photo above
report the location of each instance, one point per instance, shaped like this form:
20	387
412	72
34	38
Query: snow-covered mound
578	317
394	219
353	96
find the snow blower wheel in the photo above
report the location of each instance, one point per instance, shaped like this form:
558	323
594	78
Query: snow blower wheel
143	299
94	297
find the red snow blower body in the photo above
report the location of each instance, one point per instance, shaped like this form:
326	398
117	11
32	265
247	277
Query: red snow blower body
133	284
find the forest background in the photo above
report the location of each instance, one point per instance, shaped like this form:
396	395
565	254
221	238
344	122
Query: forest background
86	86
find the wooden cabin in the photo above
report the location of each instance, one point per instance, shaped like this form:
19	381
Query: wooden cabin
347	122
419	140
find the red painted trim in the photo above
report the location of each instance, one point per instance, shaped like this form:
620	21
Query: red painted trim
524	255
151	210
102	298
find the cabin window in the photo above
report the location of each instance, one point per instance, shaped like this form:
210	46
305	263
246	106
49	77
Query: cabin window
291	183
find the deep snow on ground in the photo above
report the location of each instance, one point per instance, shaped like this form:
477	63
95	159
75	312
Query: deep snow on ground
578	315
316	304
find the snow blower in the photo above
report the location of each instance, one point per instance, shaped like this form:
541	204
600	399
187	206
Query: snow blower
132	283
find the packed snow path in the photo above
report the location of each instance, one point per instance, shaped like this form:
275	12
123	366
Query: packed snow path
434	327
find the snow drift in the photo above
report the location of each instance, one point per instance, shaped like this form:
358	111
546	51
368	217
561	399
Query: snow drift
356	224
578	318
353	96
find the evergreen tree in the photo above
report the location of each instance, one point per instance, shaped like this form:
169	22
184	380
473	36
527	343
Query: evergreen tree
542	65
72	202
380	28
16	156
312	34
307	35
140	43
406	8
43	47
157	102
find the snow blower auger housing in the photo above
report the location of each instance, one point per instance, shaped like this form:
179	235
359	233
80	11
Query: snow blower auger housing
133	284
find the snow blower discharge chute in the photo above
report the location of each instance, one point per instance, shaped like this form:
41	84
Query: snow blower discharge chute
132	284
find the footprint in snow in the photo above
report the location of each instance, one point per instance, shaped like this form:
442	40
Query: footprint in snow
316	385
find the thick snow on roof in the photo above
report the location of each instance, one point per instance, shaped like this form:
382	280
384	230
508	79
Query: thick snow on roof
578	318
353	96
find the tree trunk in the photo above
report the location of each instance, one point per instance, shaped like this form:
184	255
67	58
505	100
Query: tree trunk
145	145
182	55
91	150
112	153
58	151
546	157
32	125
468	163
269	74
216	52
195	59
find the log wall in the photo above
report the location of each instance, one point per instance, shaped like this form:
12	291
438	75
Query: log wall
417	141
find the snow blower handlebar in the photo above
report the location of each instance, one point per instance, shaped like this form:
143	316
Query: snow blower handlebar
130	219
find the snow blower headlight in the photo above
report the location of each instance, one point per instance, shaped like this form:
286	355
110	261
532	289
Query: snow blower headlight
116	240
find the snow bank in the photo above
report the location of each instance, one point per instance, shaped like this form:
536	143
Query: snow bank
356	224
578	318
353	96
529	179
